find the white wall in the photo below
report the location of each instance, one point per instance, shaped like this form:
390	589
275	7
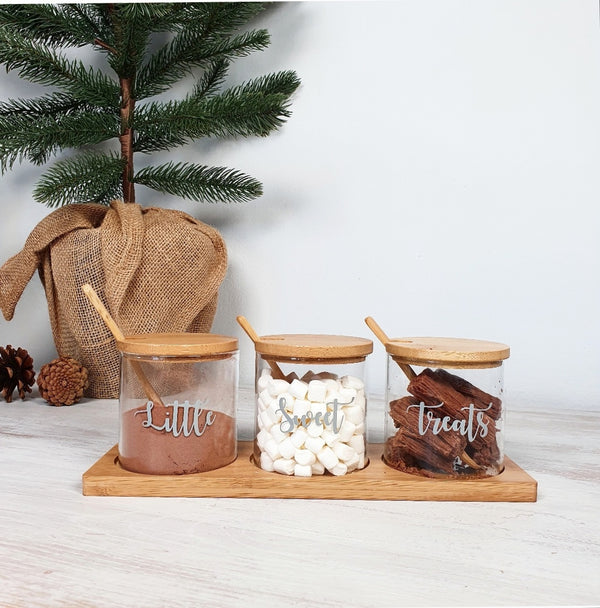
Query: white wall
440	172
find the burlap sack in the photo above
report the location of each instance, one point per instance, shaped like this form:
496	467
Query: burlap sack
156	270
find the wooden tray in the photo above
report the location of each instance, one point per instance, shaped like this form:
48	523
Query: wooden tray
243	479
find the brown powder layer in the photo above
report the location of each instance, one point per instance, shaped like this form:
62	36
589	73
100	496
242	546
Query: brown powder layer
147	450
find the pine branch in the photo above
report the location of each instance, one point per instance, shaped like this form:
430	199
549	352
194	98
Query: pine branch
81	179
39	64
37	137
52	25
100	15
160	14
90	16
132	25
199	183
191	49
279	83
53	104
218	18
255	108
213	77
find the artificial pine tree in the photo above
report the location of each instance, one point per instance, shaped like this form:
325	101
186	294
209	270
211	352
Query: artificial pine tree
91	106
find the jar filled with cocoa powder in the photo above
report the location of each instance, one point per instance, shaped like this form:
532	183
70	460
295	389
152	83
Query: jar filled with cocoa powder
177	402
311	404
445	407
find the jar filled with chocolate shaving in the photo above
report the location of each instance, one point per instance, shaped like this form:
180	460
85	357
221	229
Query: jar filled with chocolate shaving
445	410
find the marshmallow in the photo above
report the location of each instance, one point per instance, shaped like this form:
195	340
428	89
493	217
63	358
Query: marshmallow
317	468
262	405
261	383
339	469
303	470
352	382
262	437
272	449
318	407
310	448
331	397
275	411
314	429
357	443
266	419
343	451
304	457
276	387
327	458
266	464
354	414
287	400
299	437
286	448
266	397
347	431
330	437
284	465
352	464
301	407
277	434
314	444
347	396
331	384
299	389
316	390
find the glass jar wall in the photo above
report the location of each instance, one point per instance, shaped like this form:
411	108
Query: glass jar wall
445	407
178	403
311	404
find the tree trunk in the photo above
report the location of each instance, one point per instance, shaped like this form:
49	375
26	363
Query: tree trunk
126	139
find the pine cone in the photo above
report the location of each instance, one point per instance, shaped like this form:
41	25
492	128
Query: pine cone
62	381
16	371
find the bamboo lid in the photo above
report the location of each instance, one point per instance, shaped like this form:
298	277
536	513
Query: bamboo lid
314	346
460	351
177	345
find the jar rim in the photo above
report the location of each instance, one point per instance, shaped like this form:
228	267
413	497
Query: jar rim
177	344
447	350
326	347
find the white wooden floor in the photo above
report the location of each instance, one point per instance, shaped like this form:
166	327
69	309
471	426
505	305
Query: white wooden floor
60	548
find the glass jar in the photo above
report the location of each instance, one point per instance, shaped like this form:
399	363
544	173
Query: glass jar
177	403
445	410
311	404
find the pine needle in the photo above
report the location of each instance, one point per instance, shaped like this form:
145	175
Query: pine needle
200	183
81	179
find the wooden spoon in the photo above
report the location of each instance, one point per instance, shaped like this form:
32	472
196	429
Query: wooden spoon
410	374
277	373
118	335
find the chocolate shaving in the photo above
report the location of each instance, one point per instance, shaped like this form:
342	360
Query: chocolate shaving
419	449
479	398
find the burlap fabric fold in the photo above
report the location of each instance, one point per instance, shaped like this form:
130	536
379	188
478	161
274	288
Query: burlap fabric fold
156	270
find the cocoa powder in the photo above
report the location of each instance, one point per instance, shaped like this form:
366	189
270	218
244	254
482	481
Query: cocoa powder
161	448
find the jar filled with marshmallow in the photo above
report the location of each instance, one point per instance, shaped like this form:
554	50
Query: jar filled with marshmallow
311	404
445	413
